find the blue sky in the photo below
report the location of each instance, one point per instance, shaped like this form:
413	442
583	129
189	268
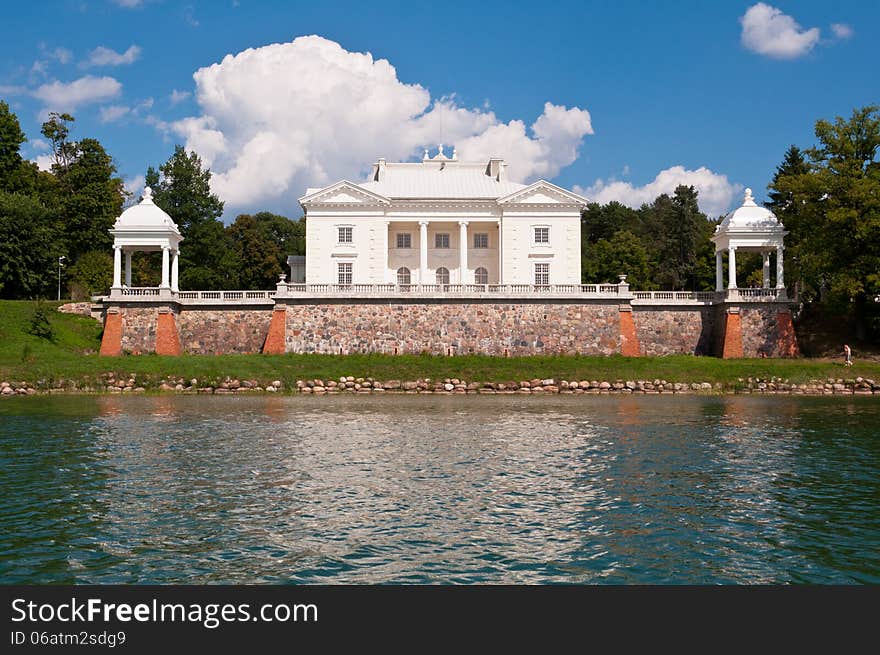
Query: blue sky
641	96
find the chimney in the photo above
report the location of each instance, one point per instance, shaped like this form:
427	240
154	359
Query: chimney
379	170
495	169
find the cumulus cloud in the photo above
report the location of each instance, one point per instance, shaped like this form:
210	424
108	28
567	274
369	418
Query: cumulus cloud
44	162
134	186
279	118
102	56
113	113
842	30
177	97
715	191
767	31
67	96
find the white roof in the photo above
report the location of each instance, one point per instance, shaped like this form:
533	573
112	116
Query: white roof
749	216
145	214
440	179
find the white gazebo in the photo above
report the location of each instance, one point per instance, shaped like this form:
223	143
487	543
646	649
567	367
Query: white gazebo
749	228
144	227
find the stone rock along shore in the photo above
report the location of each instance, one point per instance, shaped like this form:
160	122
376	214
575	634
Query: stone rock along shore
112	383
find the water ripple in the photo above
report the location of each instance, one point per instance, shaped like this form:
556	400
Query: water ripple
439	490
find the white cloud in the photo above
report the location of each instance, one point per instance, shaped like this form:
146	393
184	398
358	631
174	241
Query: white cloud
767	31
66	96
113	113
177	97
129	4
44	162
842	30
134	185
282	117
38	145
715	190
102	56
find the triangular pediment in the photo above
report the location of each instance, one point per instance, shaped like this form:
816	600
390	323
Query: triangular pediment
343	193
543	193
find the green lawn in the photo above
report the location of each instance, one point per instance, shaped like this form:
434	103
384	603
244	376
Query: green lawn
72	355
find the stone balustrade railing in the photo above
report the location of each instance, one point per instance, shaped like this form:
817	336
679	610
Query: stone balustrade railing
293	291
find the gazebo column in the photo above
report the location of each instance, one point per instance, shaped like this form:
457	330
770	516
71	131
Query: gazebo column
423	252
175	270
719	271
780	274
766	269
165	266
731	265
128	268
117	266
462	252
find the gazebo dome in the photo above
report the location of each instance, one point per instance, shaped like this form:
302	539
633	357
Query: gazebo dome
145	214
749	216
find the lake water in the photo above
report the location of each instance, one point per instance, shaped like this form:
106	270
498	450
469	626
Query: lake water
437	489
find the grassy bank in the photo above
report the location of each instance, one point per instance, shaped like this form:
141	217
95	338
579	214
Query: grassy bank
72	355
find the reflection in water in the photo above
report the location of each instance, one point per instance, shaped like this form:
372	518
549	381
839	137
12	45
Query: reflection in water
422	489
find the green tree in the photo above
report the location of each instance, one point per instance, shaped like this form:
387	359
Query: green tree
623	254
208	260
28	247
11	138
833	215
92	274
184	191
259	256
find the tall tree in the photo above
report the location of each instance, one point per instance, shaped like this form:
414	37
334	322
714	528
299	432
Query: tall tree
11	138
835	230
258	254
184	191
28	247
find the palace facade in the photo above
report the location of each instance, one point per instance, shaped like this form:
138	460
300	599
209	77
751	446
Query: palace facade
439	222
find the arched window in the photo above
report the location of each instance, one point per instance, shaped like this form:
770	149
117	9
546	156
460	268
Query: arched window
442	275
403	276
481	276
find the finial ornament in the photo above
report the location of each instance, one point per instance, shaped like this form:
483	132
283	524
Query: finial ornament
748	198
426	153
148	195
440	151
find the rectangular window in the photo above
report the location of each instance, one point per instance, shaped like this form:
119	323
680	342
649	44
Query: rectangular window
481	240
542	235
441	240
404	240
542	274
345	234
344	269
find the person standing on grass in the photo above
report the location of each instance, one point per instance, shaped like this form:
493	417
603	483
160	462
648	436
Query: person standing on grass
847	353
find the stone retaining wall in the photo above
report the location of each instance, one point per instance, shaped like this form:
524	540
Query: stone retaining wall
598	327
454	328
675	330
219	331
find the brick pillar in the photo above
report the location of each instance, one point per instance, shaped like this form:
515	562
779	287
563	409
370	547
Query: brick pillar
275	340
732	346
629	340
167	339
788	345
111	342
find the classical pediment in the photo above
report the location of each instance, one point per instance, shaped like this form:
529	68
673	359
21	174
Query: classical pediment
542	193
343	193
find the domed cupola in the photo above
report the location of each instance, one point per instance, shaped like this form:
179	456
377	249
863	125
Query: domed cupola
145	227
749	228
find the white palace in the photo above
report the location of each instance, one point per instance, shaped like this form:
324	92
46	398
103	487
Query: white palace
442	221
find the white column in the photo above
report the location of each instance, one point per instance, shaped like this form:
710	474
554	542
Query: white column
719	271
117	266
462	251
780	275
175	271
165	257
766	269
128	268
500	256
384	277
731	266
423	252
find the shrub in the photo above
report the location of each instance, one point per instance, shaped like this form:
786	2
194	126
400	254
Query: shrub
39	325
